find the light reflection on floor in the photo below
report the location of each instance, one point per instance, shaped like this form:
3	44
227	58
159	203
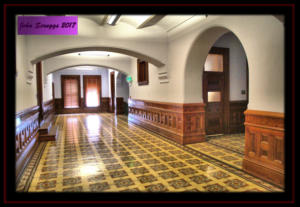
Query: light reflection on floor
101	153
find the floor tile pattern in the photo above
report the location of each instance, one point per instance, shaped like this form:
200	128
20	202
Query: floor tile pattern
232	142
104	153
222	154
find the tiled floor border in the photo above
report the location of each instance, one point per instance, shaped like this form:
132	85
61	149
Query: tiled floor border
23	184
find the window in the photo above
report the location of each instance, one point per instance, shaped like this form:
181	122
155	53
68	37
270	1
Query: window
70	91
92	90
142	72
214	96
214	63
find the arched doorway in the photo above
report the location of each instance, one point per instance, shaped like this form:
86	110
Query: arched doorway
264	50
225	86
224	92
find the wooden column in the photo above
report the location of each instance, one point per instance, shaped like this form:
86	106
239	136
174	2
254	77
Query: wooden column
39	86
112	88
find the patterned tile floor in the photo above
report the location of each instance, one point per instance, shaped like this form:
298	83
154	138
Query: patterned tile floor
233	142
226	148
104	153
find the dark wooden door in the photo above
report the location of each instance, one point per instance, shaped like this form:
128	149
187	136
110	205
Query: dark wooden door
215	91
214	100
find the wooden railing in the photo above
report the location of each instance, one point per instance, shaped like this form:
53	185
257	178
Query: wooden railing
26	135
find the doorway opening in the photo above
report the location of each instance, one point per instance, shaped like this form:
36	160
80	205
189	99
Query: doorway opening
225	86
225	94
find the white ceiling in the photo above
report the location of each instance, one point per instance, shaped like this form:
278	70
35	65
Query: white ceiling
167	23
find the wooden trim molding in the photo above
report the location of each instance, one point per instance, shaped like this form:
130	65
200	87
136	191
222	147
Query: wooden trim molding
39	88
26	134
183	123
112	92
264	145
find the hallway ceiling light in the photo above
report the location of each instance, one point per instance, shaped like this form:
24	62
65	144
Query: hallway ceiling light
112	20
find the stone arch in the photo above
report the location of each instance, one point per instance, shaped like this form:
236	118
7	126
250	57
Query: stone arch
196	59
132	53
107	67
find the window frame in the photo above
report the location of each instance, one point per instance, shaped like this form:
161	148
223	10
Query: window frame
63	78
85	77
145	80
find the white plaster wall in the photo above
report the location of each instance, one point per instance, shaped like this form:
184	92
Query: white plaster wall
122	87
154	91
100	71
237	66
25	93
47	88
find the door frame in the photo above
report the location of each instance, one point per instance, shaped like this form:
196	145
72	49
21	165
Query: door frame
112	90
226	104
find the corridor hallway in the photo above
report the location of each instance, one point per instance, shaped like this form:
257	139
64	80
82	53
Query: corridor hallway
106	153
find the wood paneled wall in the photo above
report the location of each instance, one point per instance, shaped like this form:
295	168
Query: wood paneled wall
264	145
236	116
26	137
183	123
104	107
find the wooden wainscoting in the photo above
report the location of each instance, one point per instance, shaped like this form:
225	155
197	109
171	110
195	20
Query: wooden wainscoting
183	123
264	145
236	116
104	107
26	136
